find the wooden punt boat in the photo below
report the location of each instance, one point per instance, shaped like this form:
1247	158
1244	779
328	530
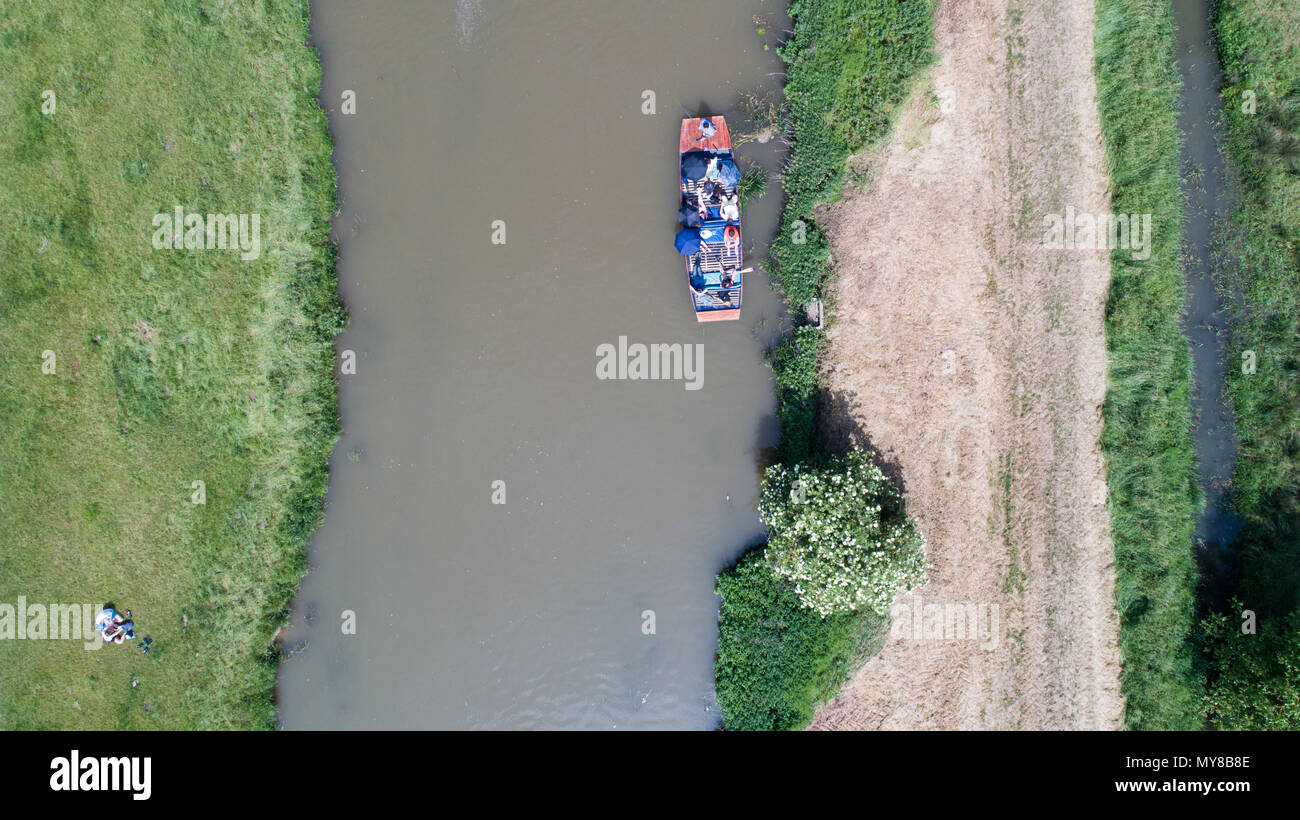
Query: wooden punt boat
713	272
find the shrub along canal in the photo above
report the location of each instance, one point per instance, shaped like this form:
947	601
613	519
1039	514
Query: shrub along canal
585	600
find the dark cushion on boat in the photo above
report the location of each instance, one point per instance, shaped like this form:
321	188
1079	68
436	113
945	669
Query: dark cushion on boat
694	164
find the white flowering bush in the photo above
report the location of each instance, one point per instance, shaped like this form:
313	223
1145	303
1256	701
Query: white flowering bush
841	535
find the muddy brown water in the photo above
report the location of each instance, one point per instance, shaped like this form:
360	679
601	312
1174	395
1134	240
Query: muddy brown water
1207	186
476	363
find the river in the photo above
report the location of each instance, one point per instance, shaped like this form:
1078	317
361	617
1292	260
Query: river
1209	204
585	600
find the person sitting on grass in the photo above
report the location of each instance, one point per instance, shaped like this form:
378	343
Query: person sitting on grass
106	616
120	633
115	627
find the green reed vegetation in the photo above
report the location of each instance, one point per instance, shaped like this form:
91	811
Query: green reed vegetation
794	364
753	184
777	659
171	366
849	64
1254	679
848	67
1147	434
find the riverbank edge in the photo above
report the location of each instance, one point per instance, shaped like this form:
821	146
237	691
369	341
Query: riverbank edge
1147	419
776	661
319	284
210	579
1253	679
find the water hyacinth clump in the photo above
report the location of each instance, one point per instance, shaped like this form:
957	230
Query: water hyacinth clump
841	535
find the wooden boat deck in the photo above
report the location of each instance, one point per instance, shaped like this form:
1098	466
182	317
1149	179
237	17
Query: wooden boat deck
717	315
708	300
691	139
715	256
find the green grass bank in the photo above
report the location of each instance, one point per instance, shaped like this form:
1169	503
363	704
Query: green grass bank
170	366
848	68
1147	432
1254	677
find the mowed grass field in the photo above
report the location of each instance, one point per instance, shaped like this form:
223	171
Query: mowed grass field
171	366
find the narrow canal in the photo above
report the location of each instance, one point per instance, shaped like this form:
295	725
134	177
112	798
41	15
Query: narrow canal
1209	203
585	600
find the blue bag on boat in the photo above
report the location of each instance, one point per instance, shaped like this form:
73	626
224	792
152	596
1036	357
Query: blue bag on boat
728	173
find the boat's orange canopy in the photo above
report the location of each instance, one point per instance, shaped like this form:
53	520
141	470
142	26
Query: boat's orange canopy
693	140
